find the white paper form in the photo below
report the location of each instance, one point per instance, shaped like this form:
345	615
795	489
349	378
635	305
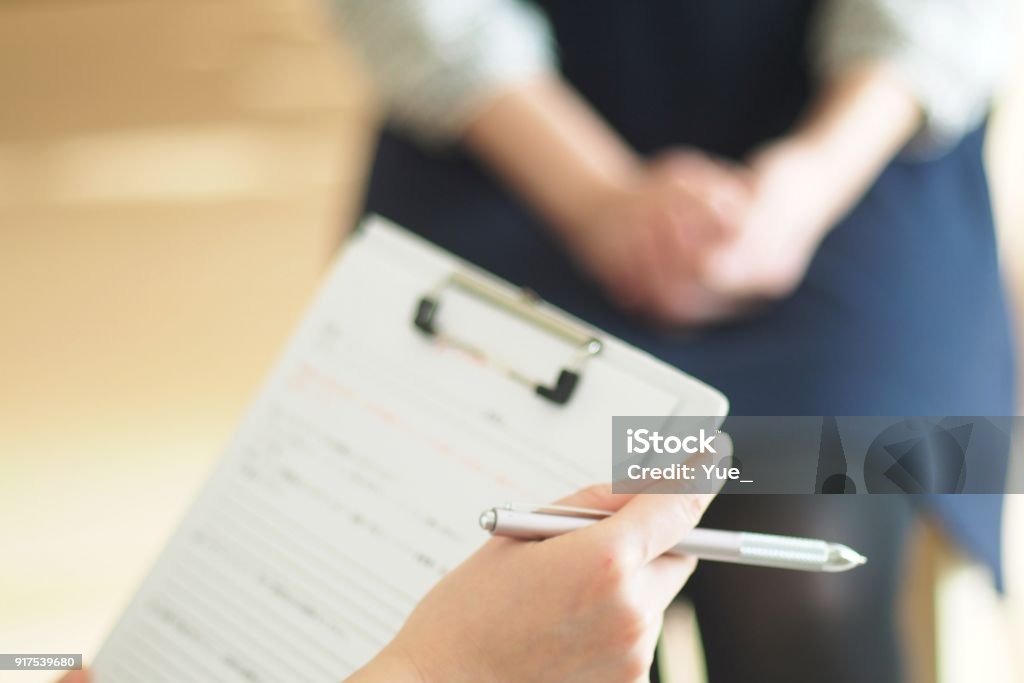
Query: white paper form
355	481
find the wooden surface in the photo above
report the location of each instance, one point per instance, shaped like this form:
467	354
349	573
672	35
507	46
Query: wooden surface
174	175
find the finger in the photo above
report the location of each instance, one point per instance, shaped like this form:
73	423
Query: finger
705	306
675	288
662	579
728	206
659	263
692	167
735	275
725	206
719	192
685	236
735	270
628	288
694	215
651	523
691	303
647	524
582	543
649	641
679	161
716	170
80	676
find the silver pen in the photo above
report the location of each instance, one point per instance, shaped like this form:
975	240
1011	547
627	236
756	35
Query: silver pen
537	522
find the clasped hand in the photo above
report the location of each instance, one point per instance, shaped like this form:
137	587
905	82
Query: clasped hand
695	240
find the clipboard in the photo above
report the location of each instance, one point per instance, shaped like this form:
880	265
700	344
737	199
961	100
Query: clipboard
416	391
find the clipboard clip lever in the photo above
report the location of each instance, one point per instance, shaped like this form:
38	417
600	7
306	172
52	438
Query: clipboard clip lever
524	304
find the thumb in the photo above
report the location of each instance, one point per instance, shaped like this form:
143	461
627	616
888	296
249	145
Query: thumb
649	524
654	522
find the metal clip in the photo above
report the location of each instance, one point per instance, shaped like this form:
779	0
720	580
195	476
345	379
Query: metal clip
525	305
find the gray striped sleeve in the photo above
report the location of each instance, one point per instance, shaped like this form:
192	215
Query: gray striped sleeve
436	63
951	53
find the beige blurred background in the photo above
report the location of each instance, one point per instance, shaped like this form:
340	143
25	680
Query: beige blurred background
174	176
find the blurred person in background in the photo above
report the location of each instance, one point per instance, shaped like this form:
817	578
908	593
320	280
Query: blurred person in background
785	199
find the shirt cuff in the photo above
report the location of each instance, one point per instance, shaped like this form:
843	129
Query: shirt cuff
438	64
951	54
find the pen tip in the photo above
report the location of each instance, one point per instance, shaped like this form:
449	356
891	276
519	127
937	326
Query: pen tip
842	558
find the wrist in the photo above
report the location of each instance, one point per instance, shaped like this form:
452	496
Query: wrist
810	153
590	206
441	658
550	146
860	121
797	178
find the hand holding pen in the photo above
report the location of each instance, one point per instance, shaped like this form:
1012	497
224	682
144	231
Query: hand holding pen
539	522
585	606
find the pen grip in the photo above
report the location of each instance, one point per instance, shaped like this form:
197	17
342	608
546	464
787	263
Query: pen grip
763	550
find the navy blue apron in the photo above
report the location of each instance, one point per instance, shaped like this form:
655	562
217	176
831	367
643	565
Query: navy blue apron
902	310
